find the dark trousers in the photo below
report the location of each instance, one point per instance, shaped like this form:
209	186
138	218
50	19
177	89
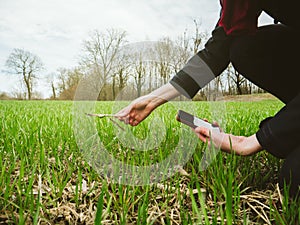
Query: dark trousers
270	59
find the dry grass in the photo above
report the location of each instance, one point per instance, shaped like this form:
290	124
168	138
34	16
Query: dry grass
45	180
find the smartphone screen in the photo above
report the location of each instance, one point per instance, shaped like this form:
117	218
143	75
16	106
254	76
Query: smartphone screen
192	121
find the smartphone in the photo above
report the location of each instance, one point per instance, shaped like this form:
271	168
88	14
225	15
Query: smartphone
193	121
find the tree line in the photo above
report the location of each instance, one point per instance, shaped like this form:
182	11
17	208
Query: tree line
111	63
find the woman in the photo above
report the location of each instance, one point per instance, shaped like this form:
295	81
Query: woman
264	55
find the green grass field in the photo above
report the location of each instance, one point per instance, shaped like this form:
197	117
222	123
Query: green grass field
46	178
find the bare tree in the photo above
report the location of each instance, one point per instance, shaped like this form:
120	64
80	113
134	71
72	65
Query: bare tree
238	79
51	80
139	74
62	79
120	76
101	52
165	51
27	65
233	76
197	40
181	53
68	82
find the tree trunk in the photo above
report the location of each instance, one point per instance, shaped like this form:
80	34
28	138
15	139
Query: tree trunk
53	91
113	88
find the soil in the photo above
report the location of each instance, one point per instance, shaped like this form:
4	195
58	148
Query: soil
249	98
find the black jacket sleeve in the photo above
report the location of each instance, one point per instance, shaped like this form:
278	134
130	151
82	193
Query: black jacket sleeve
279	135
203	67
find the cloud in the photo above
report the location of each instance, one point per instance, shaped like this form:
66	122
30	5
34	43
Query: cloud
54	29
31	24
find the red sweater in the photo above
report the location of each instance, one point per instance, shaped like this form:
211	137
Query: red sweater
239	16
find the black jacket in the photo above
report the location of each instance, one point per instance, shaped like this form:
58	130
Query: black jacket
214	58
275	134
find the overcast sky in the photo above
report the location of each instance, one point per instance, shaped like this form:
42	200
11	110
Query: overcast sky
55	29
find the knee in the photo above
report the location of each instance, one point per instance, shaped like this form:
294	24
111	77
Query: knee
290	173
240	55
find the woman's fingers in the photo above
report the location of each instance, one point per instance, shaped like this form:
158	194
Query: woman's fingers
202	133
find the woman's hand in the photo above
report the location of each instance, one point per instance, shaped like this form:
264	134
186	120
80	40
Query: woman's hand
137	110
241	145
140	108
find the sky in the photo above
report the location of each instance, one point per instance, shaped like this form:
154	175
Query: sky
55	30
